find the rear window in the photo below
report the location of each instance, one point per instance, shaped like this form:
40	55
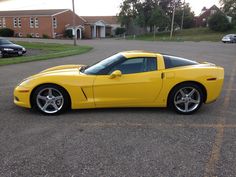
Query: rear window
172	61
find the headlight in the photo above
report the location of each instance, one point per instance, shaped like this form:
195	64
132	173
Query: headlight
23	49
8	49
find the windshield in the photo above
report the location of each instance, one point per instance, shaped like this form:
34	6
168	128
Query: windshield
103	66
4	41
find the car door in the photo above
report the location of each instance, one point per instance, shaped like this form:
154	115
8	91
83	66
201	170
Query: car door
139	84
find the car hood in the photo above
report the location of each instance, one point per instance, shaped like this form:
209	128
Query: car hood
62	70
14	46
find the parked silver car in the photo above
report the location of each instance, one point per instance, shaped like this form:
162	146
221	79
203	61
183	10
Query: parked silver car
230	38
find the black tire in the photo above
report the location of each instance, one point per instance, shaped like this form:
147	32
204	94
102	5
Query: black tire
50	99
186	98
4	55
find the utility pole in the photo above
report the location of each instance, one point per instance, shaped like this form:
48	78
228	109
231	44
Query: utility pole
182	21
73	32
154	32
172	21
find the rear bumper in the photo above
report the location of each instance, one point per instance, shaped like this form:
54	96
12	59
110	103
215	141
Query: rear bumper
214	87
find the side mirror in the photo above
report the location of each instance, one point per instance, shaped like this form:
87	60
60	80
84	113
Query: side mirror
114	74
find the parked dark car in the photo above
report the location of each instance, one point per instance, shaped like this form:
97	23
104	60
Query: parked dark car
230	38
7	48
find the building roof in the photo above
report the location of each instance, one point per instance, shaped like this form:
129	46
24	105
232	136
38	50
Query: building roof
106	19
205	10
46	12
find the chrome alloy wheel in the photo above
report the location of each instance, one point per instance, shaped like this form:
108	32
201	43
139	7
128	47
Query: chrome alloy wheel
187	99
50	100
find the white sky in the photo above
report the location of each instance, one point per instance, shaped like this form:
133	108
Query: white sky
87	7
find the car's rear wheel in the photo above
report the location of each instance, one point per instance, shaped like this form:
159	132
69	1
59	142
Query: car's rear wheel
186	98
50	99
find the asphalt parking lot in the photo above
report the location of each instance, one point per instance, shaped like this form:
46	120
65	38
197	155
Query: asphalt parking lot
130	142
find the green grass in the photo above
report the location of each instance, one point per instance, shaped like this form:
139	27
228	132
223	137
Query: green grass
49	51
193	34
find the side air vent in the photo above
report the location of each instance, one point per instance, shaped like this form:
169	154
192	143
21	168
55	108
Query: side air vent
84	93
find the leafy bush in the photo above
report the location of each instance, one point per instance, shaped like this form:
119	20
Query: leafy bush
68	33
120	31
6	32
29	36
219	22
45	36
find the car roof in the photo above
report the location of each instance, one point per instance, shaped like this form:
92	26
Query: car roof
231	35
138	53
4	39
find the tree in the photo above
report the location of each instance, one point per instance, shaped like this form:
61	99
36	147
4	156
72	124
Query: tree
229	8
167	5
147	13
188	20
145	10
159	19
119	31
128	12
219	22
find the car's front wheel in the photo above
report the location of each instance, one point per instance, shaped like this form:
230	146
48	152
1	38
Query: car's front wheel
186	98
50	99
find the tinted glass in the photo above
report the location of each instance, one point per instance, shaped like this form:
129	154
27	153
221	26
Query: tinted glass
172	61
104	66
151	64
4	41
136	65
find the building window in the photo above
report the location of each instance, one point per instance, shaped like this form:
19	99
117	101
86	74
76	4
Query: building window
0	23
19	22
213	12
31	22
37	35
3	22
15	22
54	22
20	34
36	22
32	34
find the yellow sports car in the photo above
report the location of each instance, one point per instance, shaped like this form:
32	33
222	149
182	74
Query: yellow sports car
126	79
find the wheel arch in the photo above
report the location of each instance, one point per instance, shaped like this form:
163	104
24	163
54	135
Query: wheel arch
32	92
203	88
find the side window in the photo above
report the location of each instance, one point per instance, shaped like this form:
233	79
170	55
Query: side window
151	64
136	65
172	62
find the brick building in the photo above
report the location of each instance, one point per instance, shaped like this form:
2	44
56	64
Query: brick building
54	22
38	22
102	26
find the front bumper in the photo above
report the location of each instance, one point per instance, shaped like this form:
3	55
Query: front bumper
14	52
226	40
22	96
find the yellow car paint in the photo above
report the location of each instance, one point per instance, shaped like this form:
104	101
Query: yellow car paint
147	89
